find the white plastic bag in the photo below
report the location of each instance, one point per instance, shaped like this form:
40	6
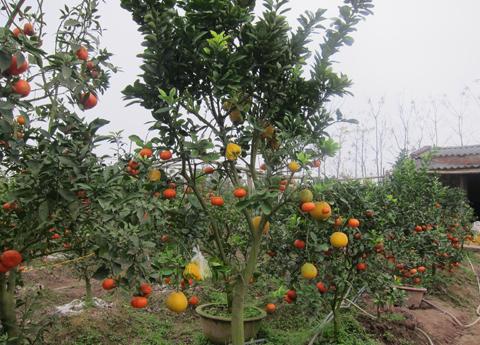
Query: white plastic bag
202	263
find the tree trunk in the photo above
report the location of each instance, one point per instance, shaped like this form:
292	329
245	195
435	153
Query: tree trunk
239	290
7	307
88	291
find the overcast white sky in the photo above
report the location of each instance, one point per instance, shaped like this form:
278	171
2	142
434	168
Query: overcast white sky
410	50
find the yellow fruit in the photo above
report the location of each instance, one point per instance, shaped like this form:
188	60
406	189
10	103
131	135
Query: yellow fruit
154	175
293	166
236	116
256	223
322	211
268	132
339	239
305	196
192	270
233	151
309	271
177	302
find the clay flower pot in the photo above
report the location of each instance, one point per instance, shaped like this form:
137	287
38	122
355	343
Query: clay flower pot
217	329
414	296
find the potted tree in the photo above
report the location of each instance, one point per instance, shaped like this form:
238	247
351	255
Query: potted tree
229	94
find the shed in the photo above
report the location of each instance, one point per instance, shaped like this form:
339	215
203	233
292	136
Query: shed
457	166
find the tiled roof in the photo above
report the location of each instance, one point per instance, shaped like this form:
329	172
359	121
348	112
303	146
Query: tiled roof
451	158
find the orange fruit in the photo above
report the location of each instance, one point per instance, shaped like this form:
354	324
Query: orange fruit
139	302
308	271
21	87
177	302
21	120
240	192
10	258
308	206
270	308
16	32
339	239
208	170
145	289
82	53
109	284
216	201
353	223
28	29
165	155
421	269
146	152
321	288
14	69
299	244
361	266
322	211
88	100
169	193
193	301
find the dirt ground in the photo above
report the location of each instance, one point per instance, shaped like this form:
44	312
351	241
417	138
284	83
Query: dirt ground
459	296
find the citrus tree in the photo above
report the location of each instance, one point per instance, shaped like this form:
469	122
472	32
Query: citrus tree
46	148
226	89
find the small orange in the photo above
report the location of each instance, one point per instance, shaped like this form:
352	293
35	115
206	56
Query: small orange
308	206
217	201
240	192
208	170
28	29
139	302
353	223
21	120
169	193
270	308
193	301
109	284
146	152
82	53
165	155
145	289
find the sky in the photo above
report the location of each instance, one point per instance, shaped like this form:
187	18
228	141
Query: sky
419	55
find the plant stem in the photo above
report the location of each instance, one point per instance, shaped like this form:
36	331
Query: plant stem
14	13
88	290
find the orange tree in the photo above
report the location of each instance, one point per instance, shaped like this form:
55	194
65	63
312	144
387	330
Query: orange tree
227	88
46	148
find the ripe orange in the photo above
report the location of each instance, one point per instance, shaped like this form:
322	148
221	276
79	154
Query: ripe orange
21	120
308	206
146	152
82	53
145	289
322	211
169	193
270	308
361	266
14	69
299	244
165	155
88	100
216	201
418	228
167	280
28	29
308	271
109	284
55	237
193	301
338	221
421	269
240	192
208	170
11	258
16	32
321	288
90	65
413	271
21	87
139	302
177	302
353	223
132	164
287	299
417	280
339	239
292	294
